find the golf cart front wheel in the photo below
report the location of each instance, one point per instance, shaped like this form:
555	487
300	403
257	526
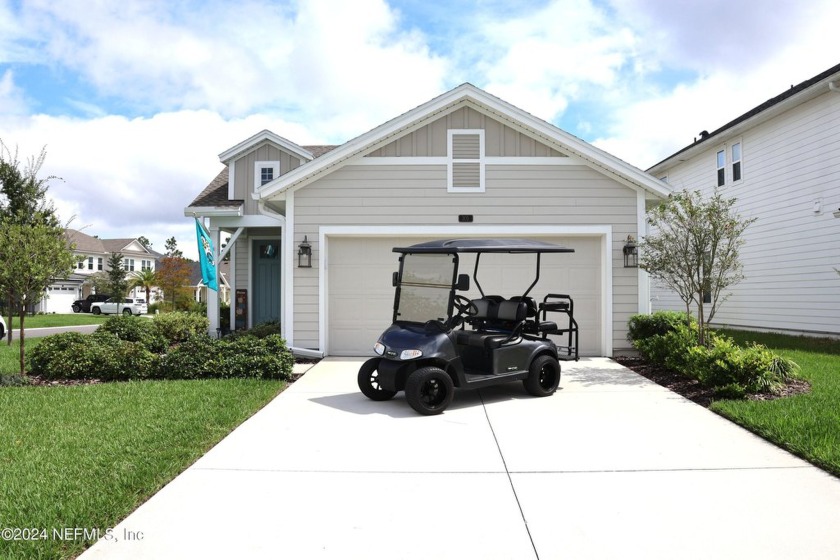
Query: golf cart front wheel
429	390
543	376
368	380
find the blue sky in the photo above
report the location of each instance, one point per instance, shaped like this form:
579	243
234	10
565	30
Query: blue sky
134	100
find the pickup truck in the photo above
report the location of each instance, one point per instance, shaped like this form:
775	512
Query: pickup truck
113	306
83	305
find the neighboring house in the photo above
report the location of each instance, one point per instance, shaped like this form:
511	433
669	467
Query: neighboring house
465	164
781	160
93	254
200	289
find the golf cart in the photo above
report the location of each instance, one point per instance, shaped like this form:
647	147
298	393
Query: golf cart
440	339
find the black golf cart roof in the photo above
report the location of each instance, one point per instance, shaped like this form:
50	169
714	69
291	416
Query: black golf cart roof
448	246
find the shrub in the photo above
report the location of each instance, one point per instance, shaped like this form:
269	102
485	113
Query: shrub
642	326
179	326
261	330
192	359
101	355
136	329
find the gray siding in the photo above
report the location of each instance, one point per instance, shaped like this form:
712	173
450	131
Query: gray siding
416	194
791	251
243	184
500	140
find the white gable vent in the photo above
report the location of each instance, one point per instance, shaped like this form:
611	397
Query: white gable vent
466	161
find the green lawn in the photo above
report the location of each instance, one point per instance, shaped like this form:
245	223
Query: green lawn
86	456
807	425
57	320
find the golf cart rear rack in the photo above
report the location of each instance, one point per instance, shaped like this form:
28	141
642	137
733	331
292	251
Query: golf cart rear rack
561	303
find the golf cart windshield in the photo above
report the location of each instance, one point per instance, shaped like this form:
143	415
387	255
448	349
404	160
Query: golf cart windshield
426	287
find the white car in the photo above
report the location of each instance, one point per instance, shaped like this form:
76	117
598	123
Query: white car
113	306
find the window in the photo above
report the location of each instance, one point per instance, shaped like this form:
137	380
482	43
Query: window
265	172
721	168
466	161
736	162
145	265
82	264
128	264
99	263
90	263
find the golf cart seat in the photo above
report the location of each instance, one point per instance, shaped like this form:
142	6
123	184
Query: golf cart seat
496	323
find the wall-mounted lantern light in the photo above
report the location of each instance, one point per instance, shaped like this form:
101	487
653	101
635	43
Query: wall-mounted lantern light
631	253
305	254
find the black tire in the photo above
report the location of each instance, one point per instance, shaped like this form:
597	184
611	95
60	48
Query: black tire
77	309
369	384
127	313
543	376
429	390
96	311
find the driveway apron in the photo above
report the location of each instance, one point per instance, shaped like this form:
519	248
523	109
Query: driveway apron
611	466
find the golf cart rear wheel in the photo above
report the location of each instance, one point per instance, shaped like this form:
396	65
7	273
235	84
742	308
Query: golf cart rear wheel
369	382
429	390
543	376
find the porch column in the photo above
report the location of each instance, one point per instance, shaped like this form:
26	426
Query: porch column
213	295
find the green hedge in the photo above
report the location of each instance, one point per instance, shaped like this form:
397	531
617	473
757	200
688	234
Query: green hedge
174	347
664	338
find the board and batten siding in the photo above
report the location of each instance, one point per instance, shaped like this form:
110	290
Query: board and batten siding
790	165
499	140
243	182
415	194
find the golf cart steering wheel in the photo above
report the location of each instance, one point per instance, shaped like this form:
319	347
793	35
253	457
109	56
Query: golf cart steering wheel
465	306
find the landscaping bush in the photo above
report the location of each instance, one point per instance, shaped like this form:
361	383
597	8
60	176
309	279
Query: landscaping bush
179	326
261	330
665	339
136	329
101	355
242	356
642	326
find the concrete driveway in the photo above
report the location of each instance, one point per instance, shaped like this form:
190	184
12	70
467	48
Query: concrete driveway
610	467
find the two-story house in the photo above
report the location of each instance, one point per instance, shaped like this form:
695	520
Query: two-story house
93	254
312	227
781	160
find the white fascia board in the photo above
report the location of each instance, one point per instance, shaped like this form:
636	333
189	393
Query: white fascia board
212	211
259	138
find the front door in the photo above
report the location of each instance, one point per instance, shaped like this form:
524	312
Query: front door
266	273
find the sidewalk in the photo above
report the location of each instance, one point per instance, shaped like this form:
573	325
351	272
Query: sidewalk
611	466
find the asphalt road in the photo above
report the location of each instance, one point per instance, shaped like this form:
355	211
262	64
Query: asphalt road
46	331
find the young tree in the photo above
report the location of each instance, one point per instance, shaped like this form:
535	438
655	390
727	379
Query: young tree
173	276
100	281
32	255
694	250
117	281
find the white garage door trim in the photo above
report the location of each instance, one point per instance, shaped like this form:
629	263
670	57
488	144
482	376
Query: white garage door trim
602	231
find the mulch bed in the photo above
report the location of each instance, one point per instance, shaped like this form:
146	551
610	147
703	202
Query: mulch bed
691	388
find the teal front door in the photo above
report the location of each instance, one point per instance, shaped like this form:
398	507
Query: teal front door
265	304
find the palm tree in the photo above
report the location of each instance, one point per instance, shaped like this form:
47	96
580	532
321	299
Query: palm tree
145	279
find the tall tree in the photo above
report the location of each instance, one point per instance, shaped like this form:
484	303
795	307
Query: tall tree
32	255
694	250
171	248
143	240
117	278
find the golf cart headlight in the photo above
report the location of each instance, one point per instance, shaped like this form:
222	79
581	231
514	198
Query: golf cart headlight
410	354
379	348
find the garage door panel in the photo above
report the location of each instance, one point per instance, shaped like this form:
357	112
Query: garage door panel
360	296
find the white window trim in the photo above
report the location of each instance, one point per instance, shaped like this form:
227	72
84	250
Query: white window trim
450	161
722	149
258	166
732	161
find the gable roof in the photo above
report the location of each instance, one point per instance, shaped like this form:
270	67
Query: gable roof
88	244
470	96
260	138
796	95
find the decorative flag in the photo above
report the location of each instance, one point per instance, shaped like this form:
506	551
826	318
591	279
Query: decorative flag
205	257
